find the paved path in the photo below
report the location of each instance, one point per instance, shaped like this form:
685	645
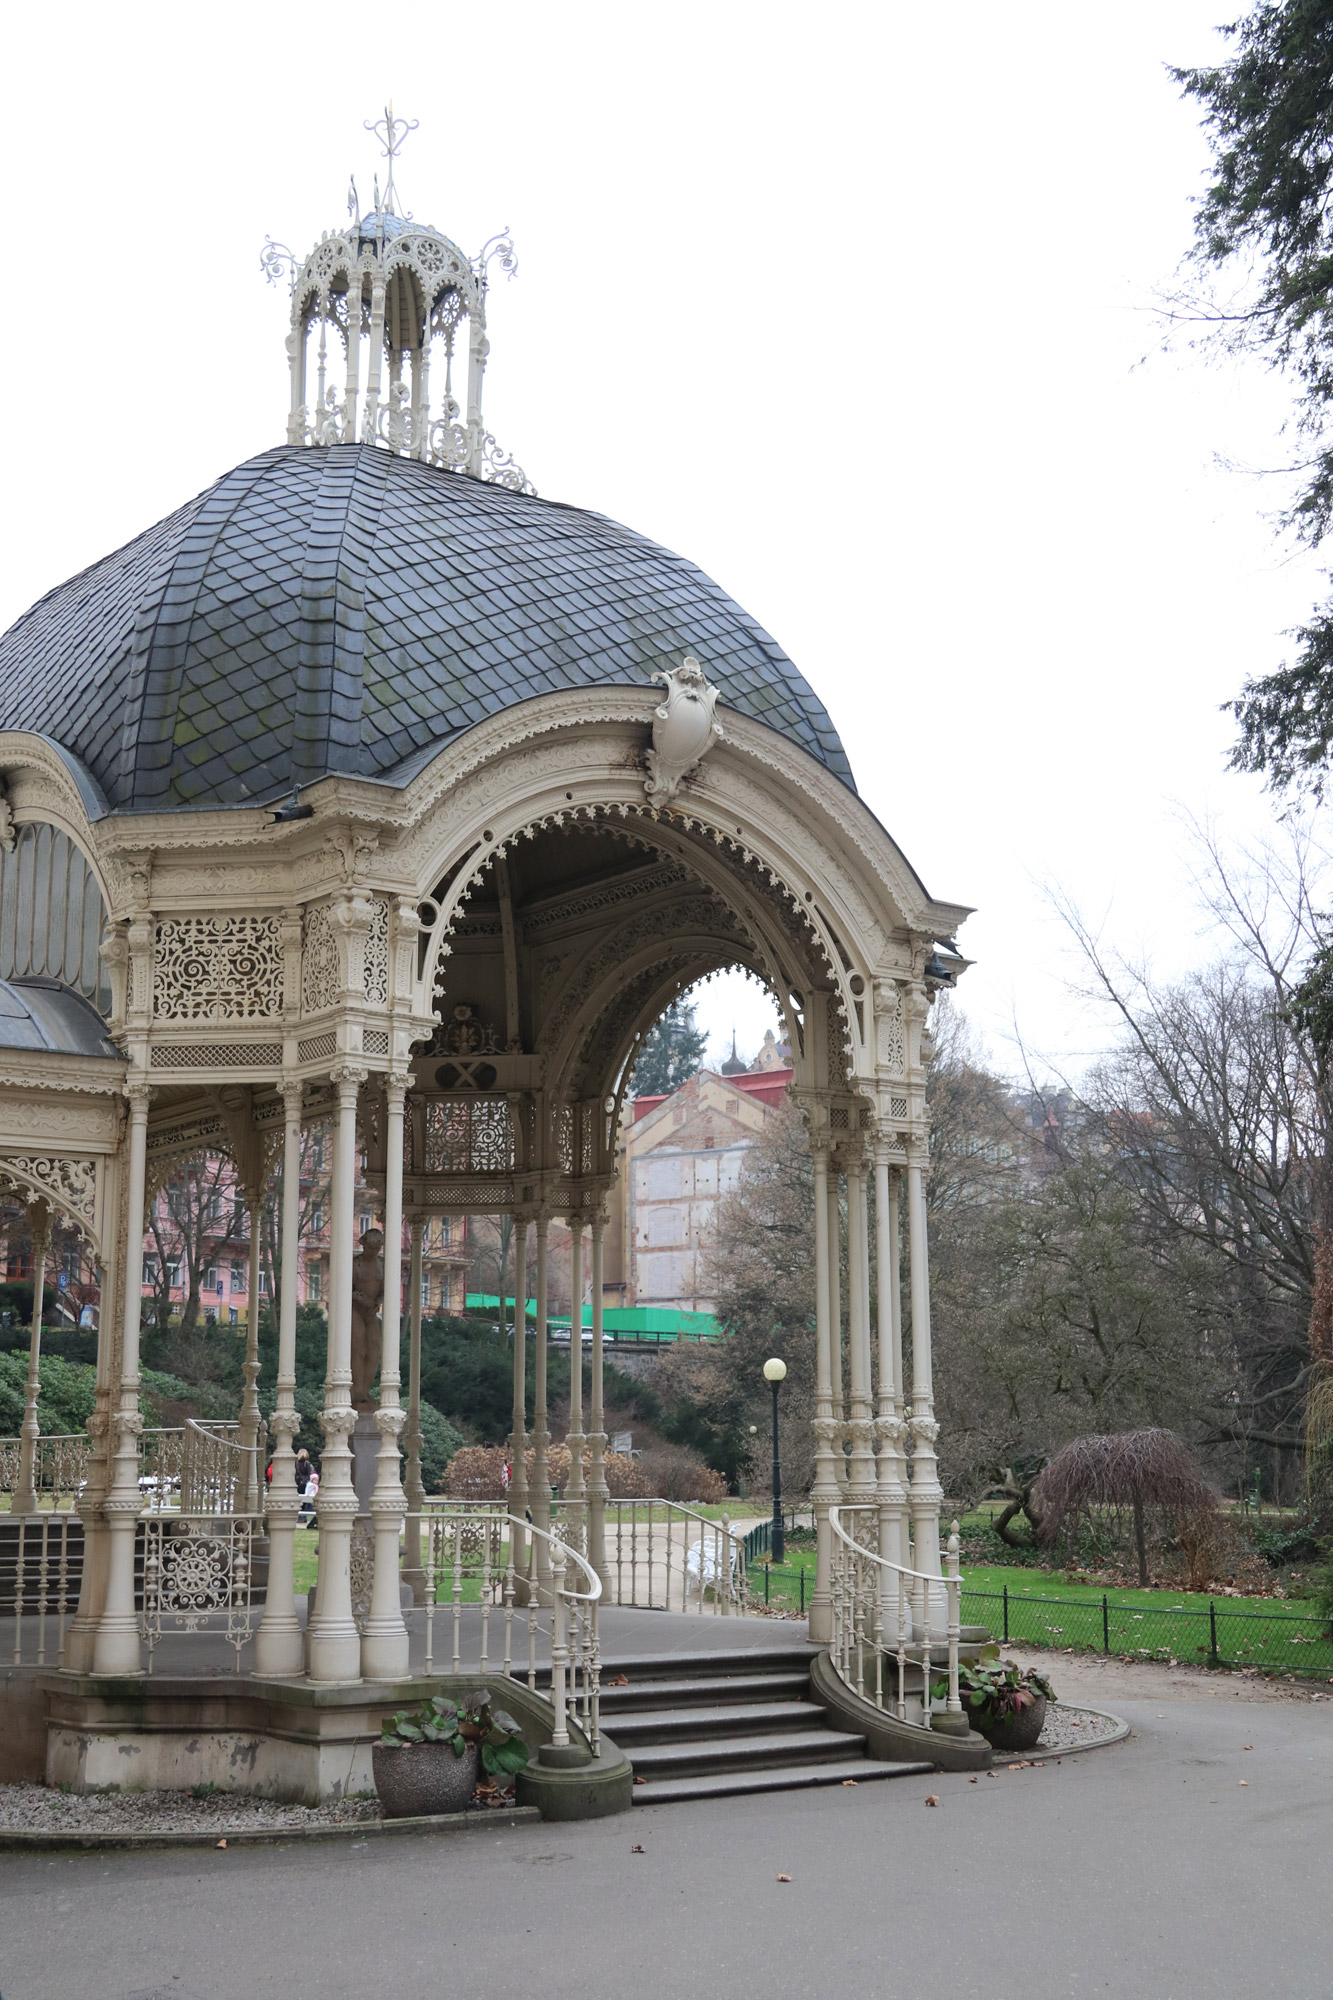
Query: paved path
1180	1865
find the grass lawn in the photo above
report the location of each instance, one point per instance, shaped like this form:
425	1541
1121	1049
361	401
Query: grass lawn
305	1567
1045	1610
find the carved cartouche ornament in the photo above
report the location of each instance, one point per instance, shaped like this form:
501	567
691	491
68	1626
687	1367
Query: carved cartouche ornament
684	728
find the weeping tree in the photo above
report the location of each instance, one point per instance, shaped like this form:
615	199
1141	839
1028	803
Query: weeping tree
1131	1469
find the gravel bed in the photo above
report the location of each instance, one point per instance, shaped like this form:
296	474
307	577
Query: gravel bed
34	1809
1067	1726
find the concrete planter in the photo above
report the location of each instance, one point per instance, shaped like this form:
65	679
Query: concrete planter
415	1778
1013	1732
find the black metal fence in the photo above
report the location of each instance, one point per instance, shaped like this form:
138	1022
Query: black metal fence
1214	1635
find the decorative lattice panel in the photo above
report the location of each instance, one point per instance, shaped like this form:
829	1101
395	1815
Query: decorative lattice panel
215	1055
217	969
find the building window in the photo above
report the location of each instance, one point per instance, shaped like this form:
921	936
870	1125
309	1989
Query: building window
212	1282
238	1278
316	1222
149	1270
263	1284
174	1272
425	1288
366	1219
313	1281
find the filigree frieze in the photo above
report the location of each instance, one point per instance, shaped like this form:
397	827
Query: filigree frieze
376	971
71	1182
217	969
320	961
468	1135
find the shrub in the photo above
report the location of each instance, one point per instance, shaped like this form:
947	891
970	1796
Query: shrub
672	1473
476	1473
624	1476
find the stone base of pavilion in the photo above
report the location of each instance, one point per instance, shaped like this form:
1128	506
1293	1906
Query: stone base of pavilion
197	1720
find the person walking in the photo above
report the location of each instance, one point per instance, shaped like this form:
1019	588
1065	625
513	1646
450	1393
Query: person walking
305	1473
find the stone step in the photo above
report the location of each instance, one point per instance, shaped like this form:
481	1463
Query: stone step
706	1691
663	1725
793	1778
698	1756
712	1663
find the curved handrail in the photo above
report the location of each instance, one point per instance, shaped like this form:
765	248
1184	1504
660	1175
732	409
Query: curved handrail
212	1428
849	1617
551	1589
554	1541
702	1557
872	1555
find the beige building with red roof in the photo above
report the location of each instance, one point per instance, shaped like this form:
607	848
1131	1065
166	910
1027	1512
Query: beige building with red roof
677	1156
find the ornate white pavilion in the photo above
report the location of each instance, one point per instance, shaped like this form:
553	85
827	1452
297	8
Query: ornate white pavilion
369	786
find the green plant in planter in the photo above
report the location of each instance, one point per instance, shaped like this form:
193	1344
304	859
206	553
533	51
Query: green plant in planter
439	1719
996	1690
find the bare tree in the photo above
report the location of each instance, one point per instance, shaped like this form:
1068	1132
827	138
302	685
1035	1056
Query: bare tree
1215	1106
1137	1469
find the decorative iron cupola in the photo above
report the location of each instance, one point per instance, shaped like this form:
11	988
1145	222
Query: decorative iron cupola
378	305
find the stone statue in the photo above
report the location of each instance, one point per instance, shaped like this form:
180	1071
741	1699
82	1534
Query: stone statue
367	1292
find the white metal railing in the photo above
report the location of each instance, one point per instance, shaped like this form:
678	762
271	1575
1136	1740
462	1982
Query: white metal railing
199	1466
218	1474
59	1468
41	1564
524	1575
661	1556
198	1576
874	1622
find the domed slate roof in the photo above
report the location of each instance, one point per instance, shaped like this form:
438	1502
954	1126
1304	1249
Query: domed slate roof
348	610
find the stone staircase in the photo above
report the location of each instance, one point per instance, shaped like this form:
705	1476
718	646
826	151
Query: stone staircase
722	1723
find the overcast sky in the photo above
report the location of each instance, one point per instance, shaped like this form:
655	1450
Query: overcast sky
851	305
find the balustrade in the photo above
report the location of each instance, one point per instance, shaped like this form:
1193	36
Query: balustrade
882	1617
661	1556
474	1544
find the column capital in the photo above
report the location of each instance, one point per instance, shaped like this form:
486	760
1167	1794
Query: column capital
140	1092
348	1077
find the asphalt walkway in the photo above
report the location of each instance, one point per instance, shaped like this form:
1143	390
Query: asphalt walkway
1189	1863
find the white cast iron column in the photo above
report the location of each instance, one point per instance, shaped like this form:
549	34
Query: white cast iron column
861	1471
574	1490
518	1437
280	1642
598	1491
384	1640
116	1648
374	362
927	1493
353	357
333	1644
540	1497
413	1571
825	1492
835	1315
82	1635
247	1430
24	1499
893	1543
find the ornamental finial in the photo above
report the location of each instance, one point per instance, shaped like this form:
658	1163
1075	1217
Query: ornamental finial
392	133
